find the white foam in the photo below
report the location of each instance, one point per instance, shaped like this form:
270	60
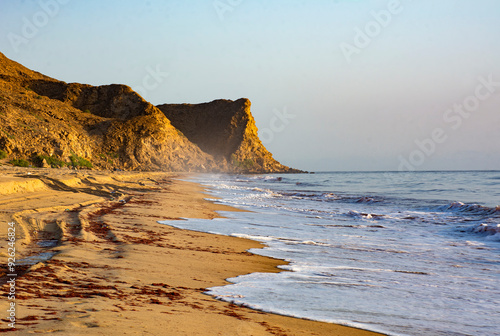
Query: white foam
491	230
257	238
390	257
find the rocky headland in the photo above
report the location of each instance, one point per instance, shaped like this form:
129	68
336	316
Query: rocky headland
50	123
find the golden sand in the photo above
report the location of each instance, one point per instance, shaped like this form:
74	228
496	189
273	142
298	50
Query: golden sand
118	271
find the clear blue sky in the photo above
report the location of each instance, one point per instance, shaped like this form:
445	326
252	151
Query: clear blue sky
366	85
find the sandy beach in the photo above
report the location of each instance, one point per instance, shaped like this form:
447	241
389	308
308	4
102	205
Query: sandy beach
115	269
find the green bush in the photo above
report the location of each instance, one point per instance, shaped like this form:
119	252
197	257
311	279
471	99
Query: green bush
77	161
20	163
3	155
113	155
245	164
51	160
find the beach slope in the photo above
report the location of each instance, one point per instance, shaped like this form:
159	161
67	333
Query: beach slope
116	270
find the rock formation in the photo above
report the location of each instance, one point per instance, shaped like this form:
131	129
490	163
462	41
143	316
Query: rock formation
226	130
111	126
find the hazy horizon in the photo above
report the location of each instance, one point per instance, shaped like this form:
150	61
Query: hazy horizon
335	85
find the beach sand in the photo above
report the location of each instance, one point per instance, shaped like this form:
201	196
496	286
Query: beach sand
116	270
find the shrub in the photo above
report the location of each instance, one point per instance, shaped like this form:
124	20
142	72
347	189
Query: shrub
113	155
77	161
245	164
3	155
51	160
20	163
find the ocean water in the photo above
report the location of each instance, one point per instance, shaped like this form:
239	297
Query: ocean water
404	253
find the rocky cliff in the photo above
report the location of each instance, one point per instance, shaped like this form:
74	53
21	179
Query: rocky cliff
50	122
226	130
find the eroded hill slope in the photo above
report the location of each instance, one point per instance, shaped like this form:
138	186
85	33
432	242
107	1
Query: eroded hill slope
111	126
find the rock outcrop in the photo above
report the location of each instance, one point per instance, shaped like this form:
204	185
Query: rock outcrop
226	130
111	126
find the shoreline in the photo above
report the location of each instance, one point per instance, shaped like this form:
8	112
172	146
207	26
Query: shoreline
117	271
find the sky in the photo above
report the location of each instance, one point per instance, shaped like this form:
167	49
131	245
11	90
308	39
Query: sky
335	85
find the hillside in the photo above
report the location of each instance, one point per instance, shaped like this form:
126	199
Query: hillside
49	122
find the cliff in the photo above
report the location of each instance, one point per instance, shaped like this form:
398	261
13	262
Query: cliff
226	130
49	122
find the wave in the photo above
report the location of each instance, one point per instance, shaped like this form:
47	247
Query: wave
287	241
267	178
329	197
353	213
492	231
472	209
366	199
348	226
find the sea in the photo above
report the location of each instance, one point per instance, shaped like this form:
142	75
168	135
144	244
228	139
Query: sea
402	253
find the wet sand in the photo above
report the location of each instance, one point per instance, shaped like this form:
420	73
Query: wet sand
116	271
